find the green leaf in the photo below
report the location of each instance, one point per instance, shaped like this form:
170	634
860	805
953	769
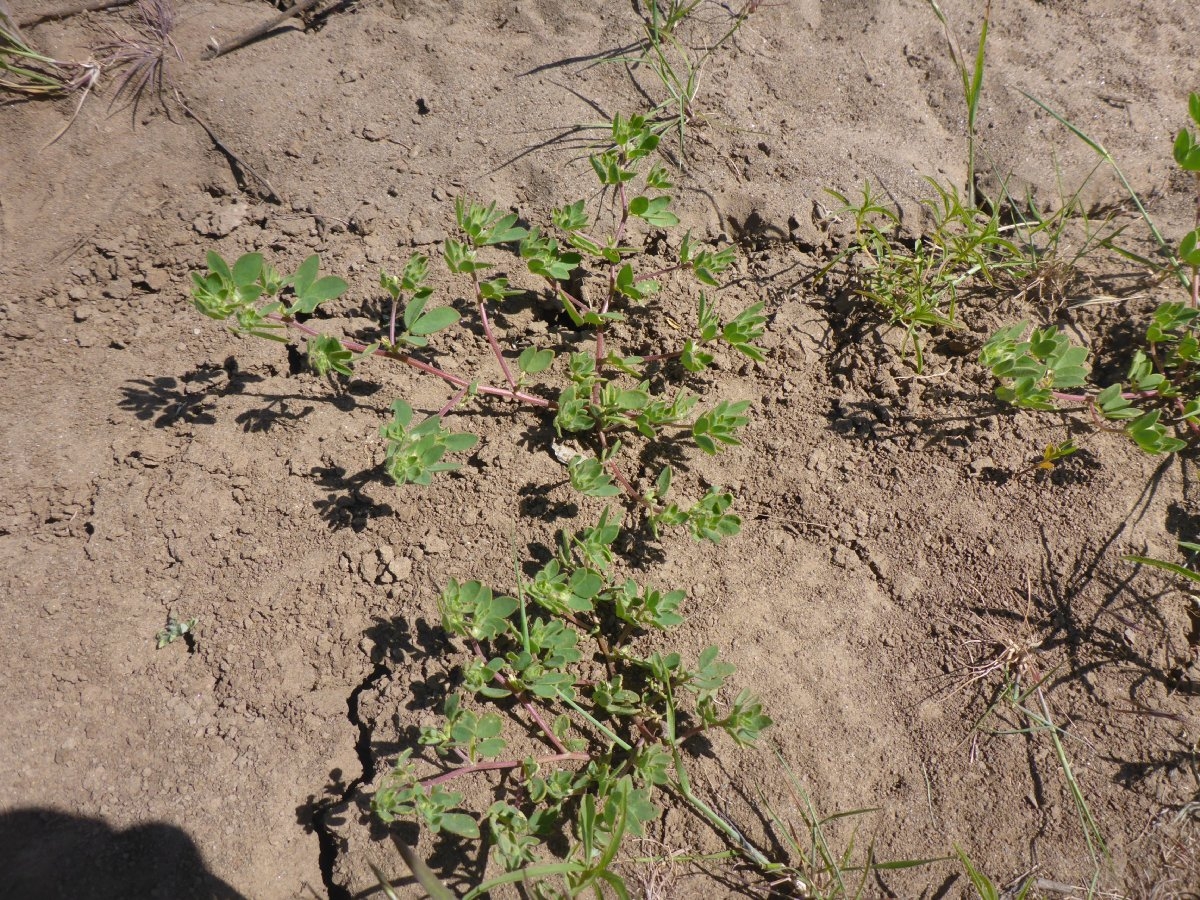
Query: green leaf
570	218
435	320
326	354
654	212
461	824
247	269
589	477
533	361
1171	567
1189	252
218	266
306	274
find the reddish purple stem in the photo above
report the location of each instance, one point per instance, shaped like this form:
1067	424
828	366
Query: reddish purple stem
529	707
456	380
505	764
491	335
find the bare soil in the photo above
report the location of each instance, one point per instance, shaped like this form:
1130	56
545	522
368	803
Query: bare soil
152	464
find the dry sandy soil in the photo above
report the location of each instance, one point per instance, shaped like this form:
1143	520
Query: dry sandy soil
153	464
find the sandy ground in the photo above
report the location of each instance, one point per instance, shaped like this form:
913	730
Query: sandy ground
152	464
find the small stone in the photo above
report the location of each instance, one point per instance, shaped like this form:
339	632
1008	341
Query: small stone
294	227
83	312
843	556
434	545
155	280
982	464
400	568
120	289
78	292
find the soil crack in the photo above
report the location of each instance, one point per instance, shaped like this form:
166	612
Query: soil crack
327	838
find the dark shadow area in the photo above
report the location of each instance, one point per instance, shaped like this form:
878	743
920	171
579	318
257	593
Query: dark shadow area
46	854
535	503
1183	759
346	505
191	399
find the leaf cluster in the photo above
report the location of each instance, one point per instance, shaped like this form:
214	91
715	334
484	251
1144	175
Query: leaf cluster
414	455
565	644
605	397
1187	156
251	292
1157	406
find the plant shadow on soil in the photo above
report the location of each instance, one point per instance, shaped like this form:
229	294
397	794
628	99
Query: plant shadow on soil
48	853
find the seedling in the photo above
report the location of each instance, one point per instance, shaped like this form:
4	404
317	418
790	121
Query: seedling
615	721
1052	455
176	629
985	887
604	398
972	80
917	288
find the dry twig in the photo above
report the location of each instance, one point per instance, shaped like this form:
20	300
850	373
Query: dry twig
258	31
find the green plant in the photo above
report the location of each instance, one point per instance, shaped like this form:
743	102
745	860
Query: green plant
917	287
675	65
1187	156
985	887
606	399
614	721
972	80
176	629
1189	574
1159	406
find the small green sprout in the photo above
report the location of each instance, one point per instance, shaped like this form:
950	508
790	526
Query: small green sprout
176	629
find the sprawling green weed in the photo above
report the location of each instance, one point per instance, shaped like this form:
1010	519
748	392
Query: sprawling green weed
606	398
559	657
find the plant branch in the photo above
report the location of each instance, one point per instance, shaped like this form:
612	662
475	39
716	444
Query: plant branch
662	357
491	335
65	12
524	701
505	764
627	485
400	356
453	401
258	31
